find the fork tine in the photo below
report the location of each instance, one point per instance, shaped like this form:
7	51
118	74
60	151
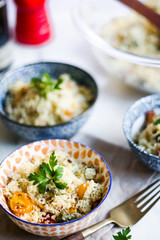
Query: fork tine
145	189
150	206
146	195
149	200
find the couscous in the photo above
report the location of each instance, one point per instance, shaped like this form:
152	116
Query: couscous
45	101
148	139
53	188
136	35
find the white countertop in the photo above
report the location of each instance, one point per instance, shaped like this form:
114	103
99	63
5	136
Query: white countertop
114	98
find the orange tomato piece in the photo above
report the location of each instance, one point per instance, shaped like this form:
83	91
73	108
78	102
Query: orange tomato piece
69	86
21	203
81	189
72	210
150	117
68	113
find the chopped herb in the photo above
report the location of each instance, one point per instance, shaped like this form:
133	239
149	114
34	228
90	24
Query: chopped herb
65	216
123	235
46	174
45	84
157	122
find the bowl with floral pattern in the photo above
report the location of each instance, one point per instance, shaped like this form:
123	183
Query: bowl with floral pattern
76	151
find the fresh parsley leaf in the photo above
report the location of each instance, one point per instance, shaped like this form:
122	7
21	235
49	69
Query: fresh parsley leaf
42	172
58	83
58	173
46	174
157	122
123	235
46	168
45	84
52	161
42	187
46	77
36	177
60	185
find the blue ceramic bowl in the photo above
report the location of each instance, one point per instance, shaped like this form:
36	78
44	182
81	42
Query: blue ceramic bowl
133	122
61	131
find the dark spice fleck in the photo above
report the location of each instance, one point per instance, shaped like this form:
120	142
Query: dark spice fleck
47	189
69	161
154	131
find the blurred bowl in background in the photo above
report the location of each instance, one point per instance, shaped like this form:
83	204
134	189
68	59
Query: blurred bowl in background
90	16
63	130
133	122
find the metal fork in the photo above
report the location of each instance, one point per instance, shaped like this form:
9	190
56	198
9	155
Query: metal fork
126	214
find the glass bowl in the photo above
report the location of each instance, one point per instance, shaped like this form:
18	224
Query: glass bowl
138	71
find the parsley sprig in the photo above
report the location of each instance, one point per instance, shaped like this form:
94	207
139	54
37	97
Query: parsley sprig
47	173
156	122
45	84
123	235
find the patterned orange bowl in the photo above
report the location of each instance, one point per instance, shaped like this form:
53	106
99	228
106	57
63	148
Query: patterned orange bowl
76	151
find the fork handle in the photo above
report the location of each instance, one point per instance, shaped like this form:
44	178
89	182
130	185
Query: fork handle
88	231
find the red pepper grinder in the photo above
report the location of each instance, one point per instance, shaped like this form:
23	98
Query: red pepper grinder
32	25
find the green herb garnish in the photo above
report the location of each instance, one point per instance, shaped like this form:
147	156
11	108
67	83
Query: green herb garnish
157	122
123	235
45	84
46	174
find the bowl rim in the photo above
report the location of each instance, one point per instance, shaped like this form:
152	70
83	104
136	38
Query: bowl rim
12	71
105	47
75	220
127	133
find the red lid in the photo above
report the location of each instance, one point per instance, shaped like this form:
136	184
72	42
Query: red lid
32	25
30	3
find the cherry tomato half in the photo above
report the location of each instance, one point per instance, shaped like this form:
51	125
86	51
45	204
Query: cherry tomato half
21	203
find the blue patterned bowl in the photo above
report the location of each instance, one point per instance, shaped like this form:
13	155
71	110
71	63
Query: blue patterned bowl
132	123
61	131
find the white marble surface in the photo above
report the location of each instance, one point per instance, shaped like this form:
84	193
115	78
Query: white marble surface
105	124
